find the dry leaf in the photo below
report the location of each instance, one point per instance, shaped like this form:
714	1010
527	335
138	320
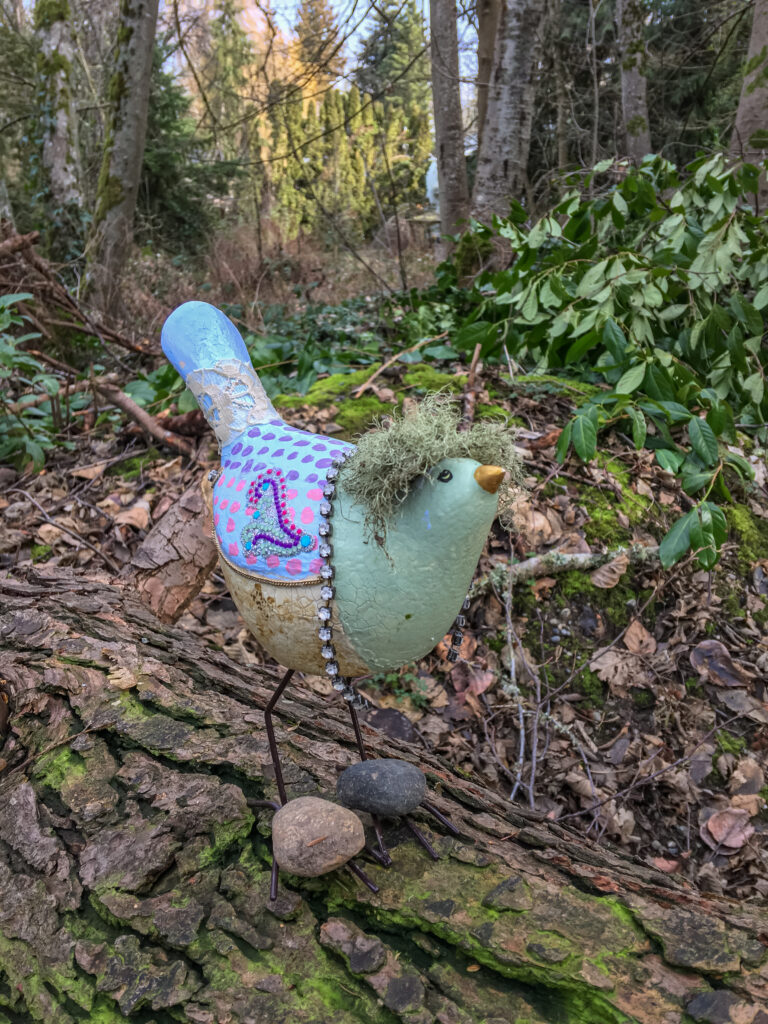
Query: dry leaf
89	472
480	679
638	640
714	664
137	515
542	587
642	488
574	544
727	831
47	533
667	866
607	576
619	669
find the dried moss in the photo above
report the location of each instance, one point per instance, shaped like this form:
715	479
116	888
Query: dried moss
387	462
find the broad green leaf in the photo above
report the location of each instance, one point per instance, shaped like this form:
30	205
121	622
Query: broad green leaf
755	387
696	480
677	541
669	460
703	441
631	379
564	442
671	312
639	426
760	301
12	299
584	435
702	539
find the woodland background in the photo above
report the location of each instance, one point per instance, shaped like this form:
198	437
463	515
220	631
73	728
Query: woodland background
596	275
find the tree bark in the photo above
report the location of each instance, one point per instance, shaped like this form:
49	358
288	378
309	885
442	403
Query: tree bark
503	155
487	27
630	26
177	555
60	157
749	140
112	229
449	131
134	881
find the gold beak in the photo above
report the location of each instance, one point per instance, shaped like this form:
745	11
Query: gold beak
489	477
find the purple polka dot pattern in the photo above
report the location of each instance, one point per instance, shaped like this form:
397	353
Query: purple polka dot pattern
280	449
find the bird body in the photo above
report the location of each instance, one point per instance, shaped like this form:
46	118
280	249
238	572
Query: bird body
391	601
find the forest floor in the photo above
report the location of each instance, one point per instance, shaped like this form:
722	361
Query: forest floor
642	692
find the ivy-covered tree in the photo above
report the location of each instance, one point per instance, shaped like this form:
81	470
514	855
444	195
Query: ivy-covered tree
178	178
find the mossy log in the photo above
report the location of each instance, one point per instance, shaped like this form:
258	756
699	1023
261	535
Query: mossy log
134	878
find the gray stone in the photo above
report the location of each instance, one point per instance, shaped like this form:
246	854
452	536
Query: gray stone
382	786
311	837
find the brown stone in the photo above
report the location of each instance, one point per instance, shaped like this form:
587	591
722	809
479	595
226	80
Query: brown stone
311	837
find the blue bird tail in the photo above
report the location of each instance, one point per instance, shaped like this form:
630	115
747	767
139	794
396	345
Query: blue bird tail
207	350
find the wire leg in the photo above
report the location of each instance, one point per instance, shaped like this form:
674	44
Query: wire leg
358	733
421	838
440	817
358	871
271	734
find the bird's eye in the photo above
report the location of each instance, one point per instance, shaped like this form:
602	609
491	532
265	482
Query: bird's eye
444	476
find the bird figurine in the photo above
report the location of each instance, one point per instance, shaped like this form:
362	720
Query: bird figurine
345	560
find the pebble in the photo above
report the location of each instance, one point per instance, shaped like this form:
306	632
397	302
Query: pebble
382	786
311	837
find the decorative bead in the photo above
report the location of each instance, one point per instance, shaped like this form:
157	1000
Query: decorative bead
326	592
213	474
340	685
461	621
324	614
325	550
332	473
325	633
327	572
331	668
329	490
350	695
328	653
465	606
325	508
453	655
324	529
457	637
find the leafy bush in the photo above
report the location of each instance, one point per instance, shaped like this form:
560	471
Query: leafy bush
26	433
654	289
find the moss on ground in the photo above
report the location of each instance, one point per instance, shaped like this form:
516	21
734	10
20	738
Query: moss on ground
751	533
427	379
552	385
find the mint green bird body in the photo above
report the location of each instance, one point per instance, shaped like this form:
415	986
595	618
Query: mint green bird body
394	598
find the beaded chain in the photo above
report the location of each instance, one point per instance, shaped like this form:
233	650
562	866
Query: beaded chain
324	614
458	631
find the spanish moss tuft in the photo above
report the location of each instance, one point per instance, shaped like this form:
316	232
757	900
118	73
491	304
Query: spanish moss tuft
386	462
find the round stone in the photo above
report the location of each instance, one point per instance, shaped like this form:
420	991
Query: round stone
383	786
311	837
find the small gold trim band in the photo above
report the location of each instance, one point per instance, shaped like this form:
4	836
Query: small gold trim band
267	579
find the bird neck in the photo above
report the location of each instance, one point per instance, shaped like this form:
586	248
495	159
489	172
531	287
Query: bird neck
231	397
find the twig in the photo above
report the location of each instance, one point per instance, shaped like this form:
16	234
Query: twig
146	422
390	362
558	562
469	398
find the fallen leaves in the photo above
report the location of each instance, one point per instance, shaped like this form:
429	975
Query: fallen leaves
607	576
713	662
727	831
638	640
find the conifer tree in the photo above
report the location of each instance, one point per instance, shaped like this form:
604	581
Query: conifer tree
319	43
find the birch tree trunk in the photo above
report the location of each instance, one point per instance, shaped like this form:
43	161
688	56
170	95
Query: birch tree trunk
487	27
749	140
630	26
60	158
449	132
503	156
112	229
134	872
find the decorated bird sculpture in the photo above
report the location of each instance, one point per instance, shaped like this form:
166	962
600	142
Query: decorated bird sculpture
345	560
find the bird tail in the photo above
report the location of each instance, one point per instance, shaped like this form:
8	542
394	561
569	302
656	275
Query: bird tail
207	350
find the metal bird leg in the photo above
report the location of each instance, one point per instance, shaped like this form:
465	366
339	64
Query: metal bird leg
271	734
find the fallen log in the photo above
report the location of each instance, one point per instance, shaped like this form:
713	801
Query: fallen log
134	877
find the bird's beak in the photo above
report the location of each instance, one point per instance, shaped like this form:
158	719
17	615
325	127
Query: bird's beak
489	477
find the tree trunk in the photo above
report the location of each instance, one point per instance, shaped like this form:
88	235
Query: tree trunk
57	104
561	89
749	140
487	27
503	155
112	229
134	881
630	28
449	132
